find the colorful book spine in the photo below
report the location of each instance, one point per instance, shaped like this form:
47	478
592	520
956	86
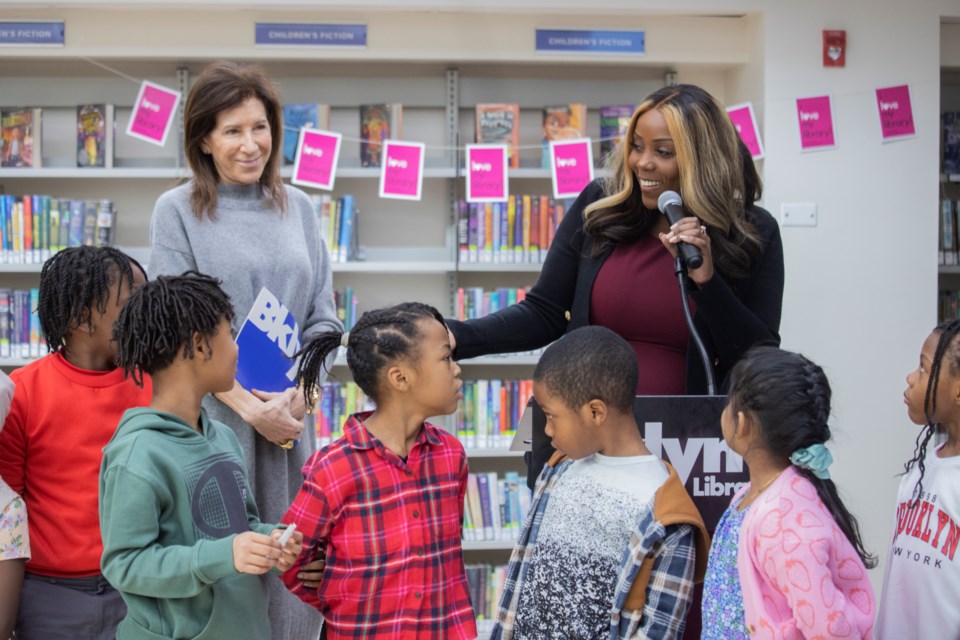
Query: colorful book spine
347	222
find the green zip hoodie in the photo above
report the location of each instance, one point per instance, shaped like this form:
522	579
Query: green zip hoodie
171	501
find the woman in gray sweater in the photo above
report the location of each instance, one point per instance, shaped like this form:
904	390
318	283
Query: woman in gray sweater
235	220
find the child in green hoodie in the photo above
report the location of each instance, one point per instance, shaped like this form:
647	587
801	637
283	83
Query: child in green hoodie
182	539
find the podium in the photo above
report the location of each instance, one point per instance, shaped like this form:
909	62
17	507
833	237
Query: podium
682	430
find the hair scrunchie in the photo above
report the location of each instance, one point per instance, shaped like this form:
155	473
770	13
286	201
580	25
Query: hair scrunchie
344	339
816	458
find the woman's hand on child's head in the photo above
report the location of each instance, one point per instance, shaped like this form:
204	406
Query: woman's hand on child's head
255	553
291	550
273	420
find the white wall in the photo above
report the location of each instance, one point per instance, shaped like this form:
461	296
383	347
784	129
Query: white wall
861	286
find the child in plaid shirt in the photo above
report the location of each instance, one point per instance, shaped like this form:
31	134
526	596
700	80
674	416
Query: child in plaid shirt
613	544
385	501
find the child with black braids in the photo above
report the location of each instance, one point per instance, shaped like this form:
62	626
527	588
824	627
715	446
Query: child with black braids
786	560
385	501
182	540
921	582
65	408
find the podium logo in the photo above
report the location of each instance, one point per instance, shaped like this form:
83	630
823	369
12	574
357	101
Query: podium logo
269	315
717	458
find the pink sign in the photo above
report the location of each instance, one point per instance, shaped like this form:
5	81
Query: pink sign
487	179
571	163
153	113
815	118
315	164
896	113
746	124
401	173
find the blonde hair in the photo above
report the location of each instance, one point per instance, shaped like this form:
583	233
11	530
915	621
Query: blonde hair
711	163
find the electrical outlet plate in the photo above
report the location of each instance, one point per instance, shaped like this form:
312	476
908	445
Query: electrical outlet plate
799	214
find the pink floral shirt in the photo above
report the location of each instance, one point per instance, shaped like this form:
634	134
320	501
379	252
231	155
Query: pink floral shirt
800	576
14	538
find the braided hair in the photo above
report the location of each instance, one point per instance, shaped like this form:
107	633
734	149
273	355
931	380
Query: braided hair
76	281
946	350
161	318
788	397
378	338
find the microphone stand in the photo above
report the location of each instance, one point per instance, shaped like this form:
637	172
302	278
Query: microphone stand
680	268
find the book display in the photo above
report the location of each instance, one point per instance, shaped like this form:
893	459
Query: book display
307	115
95	129
562	122
20	131
378	122
500	124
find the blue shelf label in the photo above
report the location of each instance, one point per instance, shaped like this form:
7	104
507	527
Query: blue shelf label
590	41
26	34
311	35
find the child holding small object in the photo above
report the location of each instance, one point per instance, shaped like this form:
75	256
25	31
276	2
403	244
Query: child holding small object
182	539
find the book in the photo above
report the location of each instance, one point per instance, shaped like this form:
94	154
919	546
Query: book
20	132
614	120
90	222
499	123
95	127
297	116
106	223
346	245
378	122
76	219
951	142
486	506
267	340
562	122
5	296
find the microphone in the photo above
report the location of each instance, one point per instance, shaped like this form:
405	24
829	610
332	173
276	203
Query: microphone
671	205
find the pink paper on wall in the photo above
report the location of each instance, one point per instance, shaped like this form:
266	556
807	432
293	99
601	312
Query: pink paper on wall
745	122
401	174
487	177
315	164
815	119
153	113
571	166
896	113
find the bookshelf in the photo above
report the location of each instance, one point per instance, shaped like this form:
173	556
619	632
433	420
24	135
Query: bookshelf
949	190
438	65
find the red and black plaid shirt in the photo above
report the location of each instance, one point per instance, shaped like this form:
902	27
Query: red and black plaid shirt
391	533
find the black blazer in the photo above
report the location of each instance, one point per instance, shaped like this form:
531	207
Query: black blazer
730	317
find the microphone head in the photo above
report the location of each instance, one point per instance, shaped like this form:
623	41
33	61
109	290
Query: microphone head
667	198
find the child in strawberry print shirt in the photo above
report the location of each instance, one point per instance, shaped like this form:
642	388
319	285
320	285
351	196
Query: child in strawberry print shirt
786	560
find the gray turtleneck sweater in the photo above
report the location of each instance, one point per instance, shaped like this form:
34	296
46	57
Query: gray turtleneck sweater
248	246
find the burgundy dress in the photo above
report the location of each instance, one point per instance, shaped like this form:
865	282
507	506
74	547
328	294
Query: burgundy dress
636	295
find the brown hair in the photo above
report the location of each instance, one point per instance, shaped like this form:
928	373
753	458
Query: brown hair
221	86
711	162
